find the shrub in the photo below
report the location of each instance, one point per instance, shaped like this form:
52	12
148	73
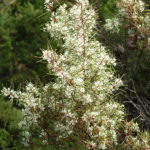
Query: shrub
132	26
79	110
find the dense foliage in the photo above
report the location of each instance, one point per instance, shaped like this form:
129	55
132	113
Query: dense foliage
21	22
122	27
10	136
129	35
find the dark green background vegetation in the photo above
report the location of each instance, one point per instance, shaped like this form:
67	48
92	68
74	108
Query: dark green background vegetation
21	38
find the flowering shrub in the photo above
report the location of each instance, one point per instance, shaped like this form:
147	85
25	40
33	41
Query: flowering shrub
135	21
78	110
134	52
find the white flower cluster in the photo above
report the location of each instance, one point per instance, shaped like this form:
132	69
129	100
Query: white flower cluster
132	7
102	124
112	25
49	4
79	101
133	12
32	107
133	141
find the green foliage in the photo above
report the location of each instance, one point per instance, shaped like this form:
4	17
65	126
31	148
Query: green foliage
105	8
9	132
109	8
21	39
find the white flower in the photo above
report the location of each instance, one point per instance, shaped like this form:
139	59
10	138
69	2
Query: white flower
56	86
112	25
48	4
79	81
87	98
